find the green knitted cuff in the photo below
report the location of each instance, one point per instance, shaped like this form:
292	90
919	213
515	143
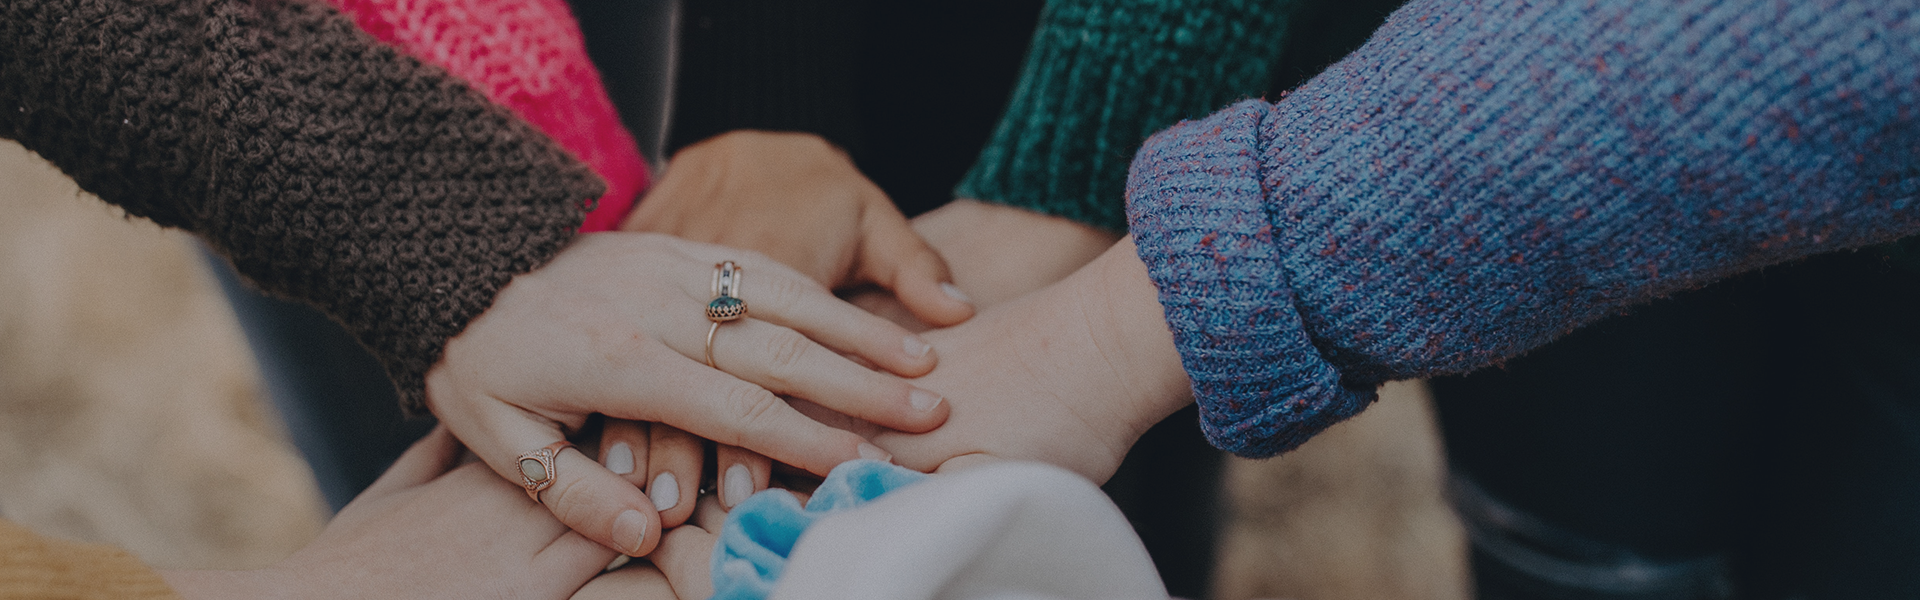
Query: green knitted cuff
1102	75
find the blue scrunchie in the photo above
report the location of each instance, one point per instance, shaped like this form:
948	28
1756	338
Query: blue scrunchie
760	532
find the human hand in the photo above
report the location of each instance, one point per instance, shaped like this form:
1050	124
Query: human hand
425	529
668	463
680	567
614	325
1070	375
996	253
796	198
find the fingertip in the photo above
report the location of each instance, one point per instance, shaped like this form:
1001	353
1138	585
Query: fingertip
935	302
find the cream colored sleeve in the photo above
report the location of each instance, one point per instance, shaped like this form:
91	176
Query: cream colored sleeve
33	566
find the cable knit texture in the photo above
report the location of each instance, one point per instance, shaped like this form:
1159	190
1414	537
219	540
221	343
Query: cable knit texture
327	166
1484	176
1100	77
529	56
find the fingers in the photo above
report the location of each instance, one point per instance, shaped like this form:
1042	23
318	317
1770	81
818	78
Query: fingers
685	557
804	306
741	473
583	495
638	581
601	505
429	457
572	558
624	450
896	258
673	473
719	407
786	362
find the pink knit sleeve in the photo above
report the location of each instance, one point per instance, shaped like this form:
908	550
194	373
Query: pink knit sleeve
529	56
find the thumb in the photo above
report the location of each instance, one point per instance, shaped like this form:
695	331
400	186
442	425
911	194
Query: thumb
896	258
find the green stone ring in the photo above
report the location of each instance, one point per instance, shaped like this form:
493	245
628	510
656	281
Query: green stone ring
726	308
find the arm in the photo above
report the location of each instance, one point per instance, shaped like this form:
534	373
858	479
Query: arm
1483	177
319	161
329	168
1479	179
1099	77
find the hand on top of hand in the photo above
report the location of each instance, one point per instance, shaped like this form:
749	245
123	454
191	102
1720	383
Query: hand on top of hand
796	198
1071	375
615	324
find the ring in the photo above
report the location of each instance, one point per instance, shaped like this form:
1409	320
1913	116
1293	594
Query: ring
726	304
537	468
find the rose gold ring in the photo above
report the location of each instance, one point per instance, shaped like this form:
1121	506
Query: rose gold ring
726	305
537	468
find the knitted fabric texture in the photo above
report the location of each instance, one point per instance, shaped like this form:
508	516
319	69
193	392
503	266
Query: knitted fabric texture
32	566
327	166
529	56
1484	176
1100	77
778	65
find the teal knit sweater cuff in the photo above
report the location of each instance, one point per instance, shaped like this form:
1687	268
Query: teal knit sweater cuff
1101	76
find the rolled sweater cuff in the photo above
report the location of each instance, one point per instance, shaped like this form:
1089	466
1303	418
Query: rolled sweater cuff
1201	223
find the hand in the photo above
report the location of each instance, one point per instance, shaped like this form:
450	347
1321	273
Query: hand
615	325
425	529
796	198
1071	375
668	463
997	253
680	567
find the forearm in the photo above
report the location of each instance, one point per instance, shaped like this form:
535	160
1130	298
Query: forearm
1485	176
1100	76
325	165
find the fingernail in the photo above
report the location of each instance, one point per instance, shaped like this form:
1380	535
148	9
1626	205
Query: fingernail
739	485
629	529
665	492
922	400
955	293
916	347
620	459
872	452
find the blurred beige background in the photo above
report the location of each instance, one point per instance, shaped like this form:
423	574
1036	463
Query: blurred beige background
130	414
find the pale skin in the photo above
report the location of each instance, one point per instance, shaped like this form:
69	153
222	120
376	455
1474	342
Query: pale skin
428	528
613	325
797	199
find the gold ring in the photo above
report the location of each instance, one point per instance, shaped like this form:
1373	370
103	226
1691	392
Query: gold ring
726	304
537	468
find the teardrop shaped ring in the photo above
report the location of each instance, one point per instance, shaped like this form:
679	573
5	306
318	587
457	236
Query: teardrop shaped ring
726	304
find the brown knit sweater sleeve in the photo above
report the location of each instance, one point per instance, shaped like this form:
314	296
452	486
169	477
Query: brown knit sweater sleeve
328	167
32	566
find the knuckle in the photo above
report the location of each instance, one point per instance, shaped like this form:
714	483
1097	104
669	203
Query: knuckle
787	352
754	406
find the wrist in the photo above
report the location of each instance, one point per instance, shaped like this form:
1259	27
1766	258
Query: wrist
1131	322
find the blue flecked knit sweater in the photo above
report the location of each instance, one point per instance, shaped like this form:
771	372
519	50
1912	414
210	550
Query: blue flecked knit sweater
1486	175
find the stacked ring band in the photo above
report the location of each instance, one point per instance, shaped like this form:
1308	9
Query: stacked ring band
726	304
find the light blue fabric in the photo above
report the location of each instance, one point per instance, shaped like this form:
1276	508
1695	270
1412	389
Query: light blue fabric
760	532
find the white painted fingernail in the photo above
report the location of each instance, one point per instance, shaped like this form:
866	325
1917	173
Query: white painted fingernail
739	485
620	459
922	400
916	347
955	293
665	492
872	452
629	529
